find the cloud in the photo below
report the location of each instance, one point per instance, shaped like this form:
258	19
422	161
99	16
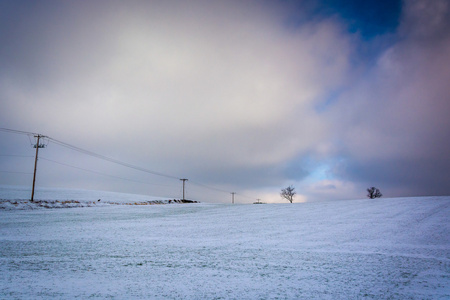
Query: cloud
231	94
197	88
394	121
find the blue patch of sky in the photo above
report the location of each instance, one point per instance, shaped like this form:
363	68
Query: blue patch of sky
324	170
369	18
311	169
321	172
328	101
308	168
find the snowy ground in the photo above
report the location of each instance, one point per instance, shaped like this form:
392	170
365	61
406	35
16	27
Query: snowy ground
13	198
355	249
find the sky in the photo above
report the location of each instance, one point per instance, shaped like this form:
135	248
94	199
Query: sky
329	96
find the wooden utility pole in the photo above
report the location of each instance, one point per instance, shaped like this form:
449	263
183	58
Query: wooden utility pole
232	197
184	180
37	146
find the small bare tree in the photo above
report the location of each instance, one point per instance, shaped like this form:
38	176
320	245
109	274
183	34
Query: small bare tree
373	193
288	193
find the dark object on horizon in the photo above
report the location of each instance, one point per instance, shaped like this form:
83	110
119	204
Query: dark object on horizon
188	201
258	202
288	193
182	201
373	193
98	200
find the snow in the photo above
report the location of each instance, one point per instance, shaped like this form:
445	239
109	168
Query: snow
354	249
13	197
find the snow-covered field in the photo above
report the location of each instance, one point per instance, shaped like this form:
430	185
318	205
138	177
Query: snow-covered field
354	249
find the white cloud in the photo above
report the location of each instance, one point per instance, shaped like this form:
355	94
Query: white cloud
210	82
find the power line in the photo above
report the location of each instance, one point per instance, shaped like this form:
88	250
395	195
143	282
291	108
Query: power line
14	172
245	196
112	160
93	154
15	155
17	131
209	187
90	153
99	173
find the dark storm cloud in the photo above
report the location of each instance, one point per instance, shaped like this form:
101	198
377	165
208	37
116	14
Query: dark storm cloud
397	129
402	177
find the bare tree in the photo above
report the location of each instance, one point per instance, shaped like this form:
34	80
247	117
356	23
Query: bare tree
373	193
288	193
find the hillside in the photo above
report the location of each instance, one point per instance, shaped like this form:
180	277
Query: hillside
353	249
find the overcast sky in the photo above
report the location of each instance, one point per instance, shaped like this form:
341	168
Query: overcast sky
330	96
